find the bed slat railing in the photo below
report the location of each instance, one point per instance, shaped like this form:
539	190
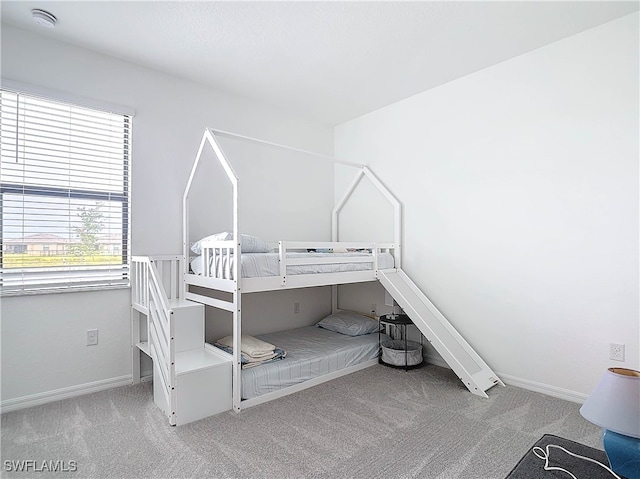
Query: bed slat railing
169	273
285	247
140	284
218	256
148	291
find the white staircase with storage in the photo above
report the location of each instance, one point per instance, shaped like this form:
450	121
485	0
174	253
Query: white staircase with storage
190	380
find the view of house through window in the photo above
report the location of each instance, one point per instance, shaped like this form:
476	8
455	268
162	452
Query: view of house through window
64	195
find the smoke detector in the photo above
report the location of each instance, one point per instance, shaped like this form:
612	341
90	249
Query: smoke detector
43	18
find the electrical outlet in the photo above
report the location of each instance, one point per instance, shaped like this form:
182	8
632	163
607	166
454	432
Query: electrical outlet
373	308
616	352
296	308
92	337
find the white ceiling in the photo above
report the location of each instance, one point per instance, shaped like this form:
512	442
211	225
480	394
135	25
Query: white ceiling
329	61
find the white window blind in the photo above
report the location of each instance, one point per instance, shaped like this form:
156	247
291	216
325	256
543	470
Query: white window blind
64	196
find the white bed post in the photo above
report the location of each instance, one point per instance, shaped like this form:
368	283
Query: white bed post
209	137
237	300
185	211
237	294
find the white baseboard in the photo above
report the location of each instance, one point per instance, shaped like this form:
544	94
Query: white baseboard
63	393
552	391
87	388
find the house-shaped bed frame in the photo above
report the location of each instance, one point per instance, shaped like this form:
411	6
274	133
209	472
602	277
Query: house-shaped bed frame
193	379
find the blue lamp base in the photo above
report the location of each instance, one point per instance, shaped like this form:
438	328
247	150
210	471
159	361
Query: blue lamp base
623	453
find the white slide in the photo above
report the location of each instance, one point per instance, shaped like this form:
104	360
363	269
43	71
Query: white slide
465	362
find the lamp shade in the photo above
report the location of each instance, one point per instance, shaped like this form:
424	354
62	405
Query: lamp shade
615	402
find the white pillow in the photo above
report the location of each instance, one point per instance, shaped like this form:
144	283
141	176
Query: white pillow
249	244
349	323
197	265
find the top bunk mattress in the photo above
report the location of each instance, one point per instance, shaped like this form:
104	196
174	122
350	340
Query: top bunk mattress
257	265
311	352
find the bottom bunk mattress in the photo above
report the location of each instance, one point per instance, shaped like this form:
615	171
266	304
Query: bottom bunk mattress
311	352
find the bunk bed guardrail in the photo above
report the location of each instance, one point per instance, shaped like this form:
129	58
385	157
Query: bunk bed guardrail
219	256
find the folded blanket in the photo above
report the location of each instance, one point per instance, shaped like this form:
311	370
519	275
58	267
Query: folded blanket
248	362
251	359
251	346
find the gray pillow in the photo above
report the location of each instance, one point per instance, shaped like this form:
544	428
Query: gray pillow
351	324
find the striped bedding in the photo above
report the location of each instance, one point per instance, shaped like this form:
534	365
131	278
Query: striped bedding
311	352
256	265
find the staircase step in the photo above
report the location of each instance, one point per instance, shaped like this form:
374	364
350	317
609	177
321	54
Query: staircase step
180	303
198	359
144	347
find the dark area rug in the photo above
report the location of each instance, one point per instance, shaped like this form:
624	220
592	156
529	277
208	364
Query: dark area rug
533	467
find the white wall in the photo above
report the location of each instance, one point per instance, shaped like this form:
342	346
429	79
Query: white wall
520	193
283	194
43	337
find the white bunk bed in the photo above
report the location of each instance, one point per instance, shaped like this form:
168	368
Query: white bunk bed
223	267
193	379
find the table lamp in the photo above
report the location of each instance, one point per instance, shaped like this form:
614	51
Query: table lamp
614	405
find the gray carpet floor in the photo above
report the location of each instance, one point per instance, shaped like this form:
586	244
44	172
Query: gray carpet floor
376	423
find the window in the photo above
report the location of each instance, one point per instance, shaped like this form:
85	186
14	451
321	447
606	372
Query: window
64	196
